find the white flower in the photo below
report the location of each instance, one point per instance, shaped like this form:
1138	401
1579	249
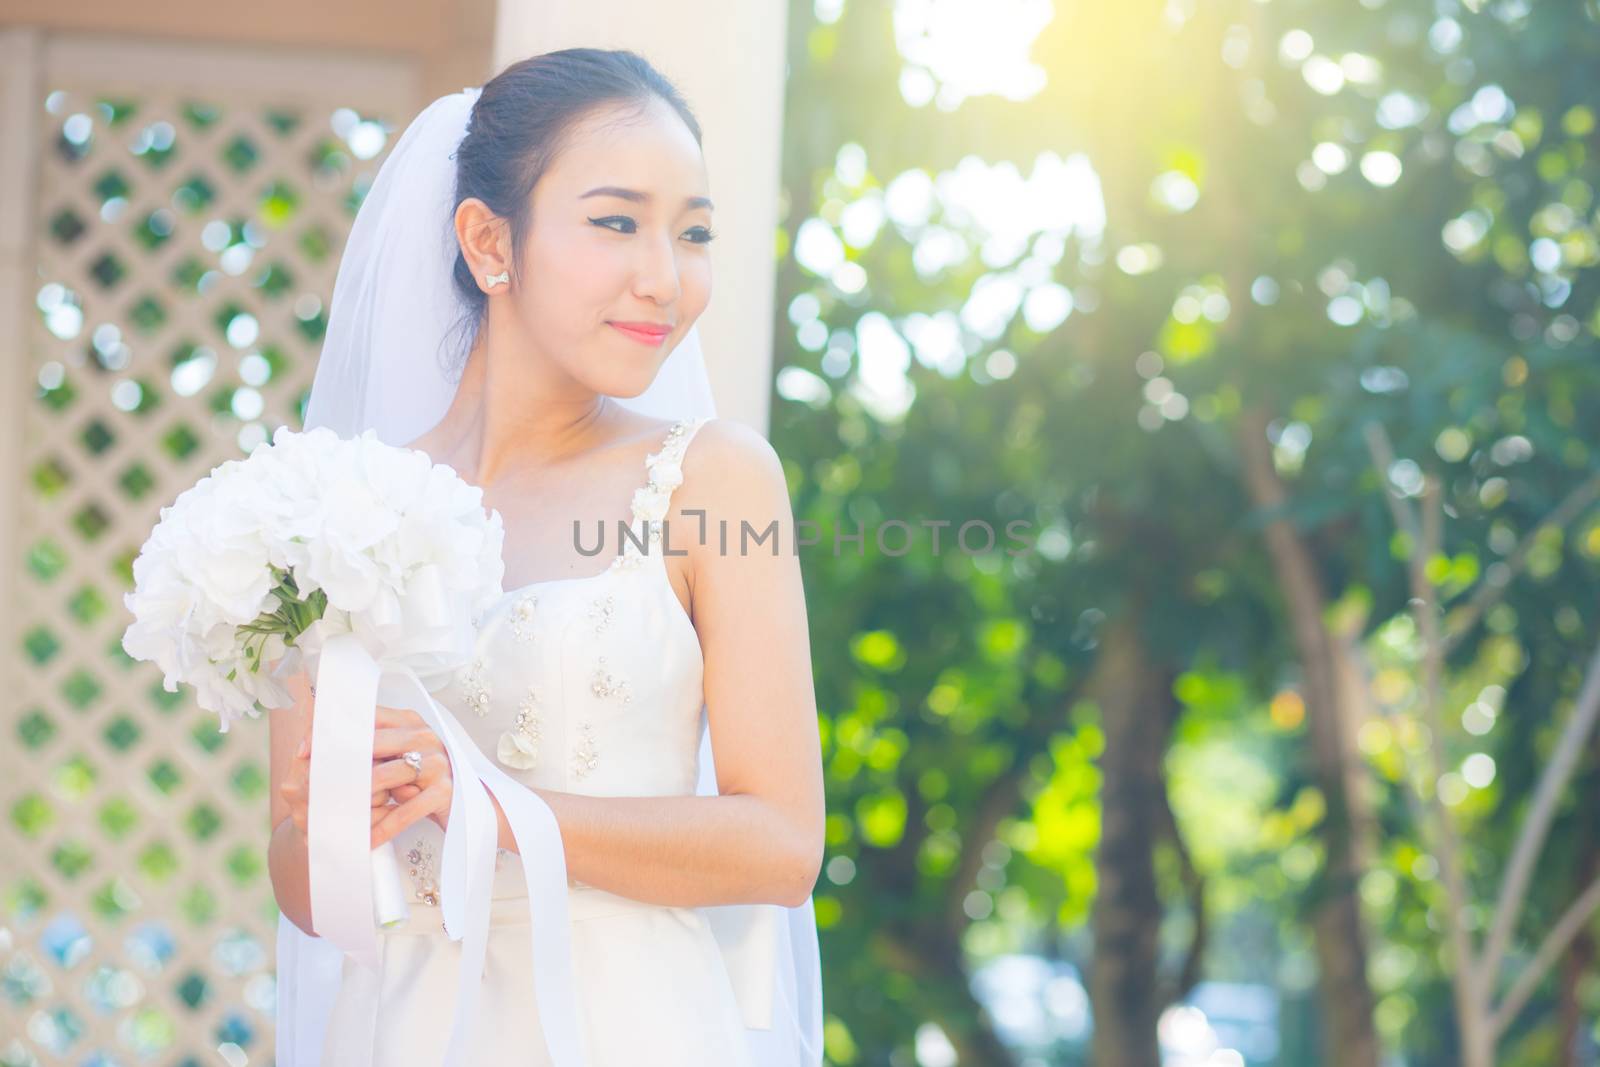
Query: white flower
312	530
650	504
665	474
516	749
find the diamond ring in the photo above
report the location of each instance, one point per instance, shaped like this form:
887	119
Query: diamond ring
414	761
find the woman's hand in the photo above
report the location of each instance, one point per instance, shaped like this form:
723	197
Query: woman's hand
417	792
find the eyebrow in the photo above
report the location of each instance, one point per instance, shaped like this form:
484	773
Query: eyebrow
643	198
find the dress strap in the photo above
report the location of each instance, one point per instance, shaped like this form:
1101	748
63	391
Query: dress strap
665	473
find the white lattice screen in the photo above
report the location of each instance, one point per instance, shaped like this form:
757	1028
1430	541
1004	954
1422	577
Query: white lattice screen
189	209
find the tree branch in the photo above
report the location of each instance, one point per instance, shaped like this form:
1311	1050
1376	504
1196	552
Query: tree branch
1425	542
1550	950
1497	579
998	800
1189	971
1383	459
1536	825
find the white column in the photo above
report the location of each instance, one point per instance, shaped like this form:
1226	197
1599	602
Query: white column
727	58
20	106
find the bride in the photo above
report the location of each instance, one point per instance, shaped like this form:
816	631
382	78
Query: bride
518	300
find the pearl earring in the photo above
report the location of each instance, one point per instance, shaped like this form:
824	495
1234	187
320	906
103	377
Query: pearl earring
491	280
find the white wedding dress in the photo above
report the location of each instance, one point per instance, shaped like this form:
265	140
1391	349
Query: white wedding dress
586	685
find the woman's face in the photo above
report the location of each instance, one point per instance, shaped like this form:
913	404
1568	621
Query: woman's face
619	236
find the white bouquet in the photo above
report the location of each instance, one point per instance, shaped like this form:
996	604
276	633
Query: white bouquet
319	550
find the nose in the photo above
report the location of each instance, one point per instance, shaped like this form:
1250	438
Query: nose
657	276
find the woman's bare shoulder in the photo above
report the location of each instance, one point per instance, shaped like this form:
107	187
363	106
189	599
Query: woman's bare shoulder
727	445
732	474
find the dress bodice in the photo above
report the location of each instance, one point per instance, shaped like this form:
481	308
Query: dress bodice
586	685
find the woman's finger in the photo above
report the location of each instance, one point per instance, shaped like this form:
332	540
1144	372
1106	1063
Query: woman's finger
391	741
435	797
404	717
397	772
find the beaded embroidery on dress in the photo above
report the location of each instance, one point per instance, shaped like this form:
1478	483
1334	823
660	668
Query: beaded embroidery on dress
588	685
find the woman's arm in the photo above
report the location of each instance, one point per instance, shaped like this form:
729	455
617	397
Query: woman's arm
286	854
761	841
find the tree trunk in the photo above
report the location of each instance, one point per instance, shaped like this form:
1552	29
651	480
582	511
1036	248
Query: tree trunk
1136	706
1349	1037
934	959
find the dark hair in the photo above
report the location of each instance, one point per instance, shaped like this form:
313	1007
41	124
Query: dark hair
520	123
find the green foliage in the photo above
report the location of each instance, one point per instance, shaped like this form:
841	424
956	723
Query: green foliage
1245	245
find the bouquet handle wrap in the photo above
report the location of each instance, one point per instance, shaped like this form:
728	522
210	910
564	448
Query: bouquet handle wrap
338	848
388	892
347	683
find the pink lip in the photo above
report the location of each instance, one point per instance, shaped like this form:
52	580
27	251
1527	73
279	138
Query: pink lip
648	333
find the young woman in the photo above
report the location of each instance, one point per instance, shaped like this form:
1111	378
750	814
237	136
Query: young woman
555	226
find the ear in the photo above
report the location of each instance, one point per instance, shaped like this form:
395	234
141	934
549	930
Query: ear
484	238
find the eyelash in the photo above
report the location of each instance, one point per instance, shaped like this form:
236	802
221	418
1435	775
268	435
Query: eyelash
711	234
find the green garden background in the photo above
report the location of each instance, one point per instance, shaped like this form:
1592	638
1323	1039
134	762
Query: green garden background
1276	322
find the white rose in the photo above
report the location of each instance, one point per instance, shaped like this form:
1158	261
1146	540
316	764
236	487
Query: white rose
354	518
649	503
666	475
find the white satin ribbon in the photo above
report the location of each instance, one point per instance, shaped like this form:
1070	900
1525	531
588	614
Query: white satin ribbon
351	678
544	869
338	845
748	937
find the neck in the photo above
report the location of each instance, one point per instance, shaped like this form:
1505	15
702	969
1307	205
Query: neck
507	415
